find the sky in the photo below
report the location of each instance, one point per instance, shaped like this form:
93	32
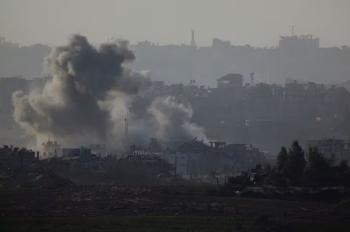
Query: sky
254	22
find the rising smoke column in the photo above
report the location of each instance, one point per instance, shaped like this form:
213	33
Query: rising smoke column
69	106
89	95
171	120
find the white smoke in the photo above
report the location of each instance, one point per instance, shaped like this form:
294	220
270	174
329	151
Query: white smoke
172	120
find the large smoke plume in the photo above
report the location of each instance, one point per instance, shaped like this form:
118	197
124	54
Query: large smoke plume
90	93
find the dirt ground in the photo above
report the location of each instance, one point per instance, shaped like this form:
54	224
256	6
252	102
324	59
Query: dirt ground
171	208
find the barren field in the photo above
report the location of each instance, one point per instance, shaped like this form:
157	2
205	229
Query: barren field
174	208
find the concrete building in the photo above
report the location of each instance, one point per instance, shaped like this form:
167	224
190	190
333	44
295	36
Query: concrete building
14	158
336	149
185	165
301	42
51	148
220	44
232	80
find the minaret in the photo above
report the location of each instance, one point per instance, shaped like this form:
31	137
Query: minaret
193	41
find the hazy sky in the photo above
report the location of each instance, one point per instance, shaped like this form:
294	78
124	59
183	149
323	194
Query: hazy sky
255	22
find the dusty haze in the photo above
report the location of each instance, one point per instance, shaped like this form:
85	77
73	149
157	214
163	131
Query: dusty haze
254	22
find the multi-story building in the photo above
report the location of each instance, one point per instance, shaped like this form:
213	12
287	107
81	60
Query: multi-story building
335	149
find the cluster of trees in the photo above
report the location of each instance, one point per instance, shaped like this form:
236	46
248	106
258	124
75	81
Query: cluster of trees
296	167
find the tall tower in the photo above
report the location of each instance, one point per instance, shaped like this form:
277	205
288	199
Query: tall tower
193	41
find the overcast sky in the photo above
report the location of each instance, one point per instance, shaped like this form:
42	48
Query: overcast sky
255	22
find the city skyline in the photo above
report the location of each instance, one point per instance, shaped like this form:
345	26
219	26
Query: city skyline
170	22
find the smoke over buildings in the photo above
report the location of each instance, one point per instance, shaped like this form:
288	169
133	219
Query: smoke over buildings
170	116
89	95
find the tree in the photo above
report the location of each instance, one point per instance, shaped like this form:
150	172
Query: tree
282	160
342	173
296	163
279	174
319	170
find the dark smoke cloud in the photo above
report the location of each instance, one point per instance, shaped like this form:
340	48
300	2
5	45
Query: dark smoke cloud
89	95
69	104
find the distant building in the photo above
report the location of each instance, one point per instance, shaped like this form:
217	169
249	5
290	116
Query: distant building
301	42
232	80
16	158
98	149
220	44
70	152
184	164
79	152
195	159
81	158
336	149
51	148
158	84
